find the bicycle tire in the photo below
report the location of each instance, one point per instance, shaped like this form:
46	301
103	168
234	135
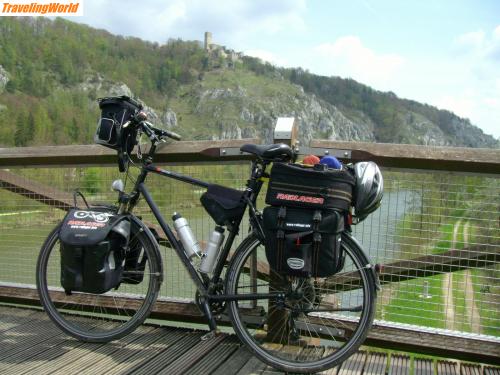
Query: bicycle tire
98	317
311	342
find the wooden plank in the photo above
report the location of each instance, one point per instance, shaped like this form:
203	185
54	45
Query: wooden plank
399	365
13	317
177	349
253	366
460	159
353	365
188	359
163	308
214	358
433	343
487	370
380	335
376	364
140	350
424	266
51	196
90	359
64	359
36	191
176	152
36	354
234	363
25	335
449	261
470	369
423	366
446	368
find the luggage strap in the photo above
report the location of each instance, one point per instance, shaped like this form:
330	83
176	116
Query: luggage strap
316	239
280	233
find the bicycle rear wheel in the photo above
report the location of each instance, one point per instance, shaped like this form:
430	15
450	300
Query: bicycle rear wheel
318	324
98	317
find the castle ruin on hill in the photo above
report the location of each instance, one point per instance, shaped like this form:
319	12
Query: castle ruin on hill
220	54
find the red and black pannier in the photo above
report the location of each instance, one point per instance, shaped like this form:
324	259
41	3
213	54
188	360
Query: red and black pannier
304	223
294	185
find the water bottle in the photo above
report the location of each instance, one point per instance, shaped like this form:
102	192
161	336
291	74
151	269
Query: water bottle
213	245
188	240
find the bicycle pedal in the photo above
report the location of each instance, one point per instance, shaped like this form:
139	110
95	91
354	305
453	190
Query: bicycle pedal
210	335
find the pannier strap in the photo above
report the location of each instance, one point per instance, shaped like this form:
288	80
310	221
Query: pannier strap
77	193
316	239
280	233
281	214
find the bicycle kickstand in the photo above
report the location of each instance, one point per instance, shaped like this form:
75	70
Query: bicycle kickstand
205	307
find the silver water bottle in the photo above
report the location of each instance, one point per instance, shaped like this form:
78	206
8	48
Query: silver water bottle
188	240
212	250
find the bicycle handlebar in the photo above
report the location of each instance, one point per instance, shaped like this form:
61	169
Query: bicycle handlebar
152	132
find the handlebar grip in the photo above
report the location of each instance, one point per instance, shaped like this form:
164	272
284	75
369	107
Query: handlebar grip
172	135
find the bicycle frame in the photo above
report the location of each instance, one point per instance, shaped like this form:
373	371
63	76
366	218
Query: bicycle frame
204	284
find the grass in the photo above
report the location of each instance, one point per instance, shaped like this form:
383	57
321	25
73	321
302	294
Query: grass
200	116
408	307
486	295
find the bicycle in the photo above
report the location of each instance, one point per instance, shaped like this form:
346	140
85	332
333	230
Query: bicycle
292	323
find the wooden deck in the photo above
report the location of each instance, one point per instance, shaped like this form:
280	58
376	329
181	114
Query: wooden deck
31	344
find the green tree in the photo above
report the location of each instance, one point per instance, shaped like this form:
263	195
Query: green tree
20	136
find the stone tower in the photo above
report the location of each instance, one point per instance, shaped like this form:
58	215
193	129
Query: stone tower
208	40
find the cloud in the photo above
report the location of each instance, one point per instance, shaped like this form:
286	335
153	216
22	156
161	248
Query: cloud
348	57
267	56
471	40
478	44
461	104
158	20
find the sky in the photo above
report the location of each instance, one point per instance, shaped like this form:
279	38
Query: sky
444	53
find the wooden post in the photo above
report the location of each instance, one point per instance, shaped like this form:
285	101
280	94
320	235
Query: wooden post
285	131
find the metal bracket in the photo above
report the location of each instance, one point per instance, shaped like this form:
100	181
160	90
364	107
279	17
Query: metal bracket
337	152
230	151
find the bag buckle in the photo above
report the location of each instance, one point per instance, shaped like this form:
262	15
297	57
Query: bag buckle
317	237
280	234
317	216
282	212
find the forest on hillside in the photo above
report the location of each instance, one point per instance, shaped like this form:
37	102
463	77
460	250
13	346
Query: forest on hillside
53	67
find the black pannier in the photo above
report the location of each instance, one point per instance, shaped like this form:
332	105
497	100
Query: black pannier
293	185
223	204
115	112
303	242
93	246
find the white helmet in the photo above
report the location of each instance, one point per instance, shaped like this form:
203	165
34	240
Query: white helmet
369	189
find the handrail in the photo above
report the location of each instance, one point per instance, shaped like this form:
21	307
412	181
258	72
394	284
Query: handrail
453	159
186	151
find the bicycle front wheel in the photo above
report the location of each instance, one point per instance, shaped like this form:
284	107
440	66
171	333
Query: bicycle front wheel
98	317
318	323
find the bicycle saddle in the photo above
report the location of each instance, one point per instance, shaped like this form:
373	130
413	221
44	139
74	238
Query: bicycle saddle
276	152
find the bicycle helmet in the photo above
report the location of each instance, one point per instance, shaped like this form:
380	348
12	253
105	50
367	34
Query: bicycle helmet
369	189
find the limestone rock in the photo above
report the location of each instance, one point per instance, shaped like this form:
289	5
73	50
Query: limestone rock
4	78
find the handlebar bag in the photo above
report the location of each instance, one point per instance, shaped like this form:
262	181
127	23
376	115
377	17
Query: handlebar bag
294	185
303	242
93	246
115	112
